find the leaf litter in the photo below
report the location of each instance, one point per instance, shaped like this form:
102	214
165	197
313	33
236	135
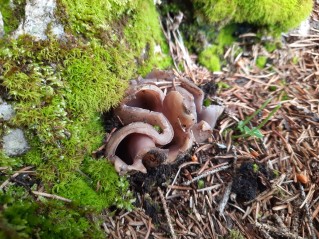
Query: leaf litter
262	184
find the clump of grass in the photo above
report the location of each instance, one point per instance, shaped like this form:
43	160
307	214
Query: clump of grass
247	132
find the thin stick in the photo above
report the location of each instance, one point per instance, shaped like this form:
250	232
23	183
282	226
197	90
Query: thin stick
51	196
224	201
148	229
306	206
169	221
215	170
276	231
227	192
265	234
177	174
23	170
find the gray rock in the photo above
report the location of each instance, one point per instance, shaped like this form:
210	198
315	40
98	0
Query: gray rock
1	26
6	111
304	28
14	143
38	14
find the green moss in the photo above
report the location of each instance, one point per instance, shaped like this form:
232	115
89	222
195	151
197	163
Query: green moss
87	17
210	58
295	60
274	15
207	102
284	96
105	184
6	161
12	14
217	10
225	36
222	86
59	102
134	25
272	88
255	168
94	78
200	184
144	33
271	46
157	128
235	234
276	173
59	90
95	189
22	217
261	61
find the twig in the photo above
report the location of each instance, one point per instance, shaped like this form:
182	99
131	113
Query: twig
277	231
215	170
224	201
265	234
280	223
23	170
235	158
169	221
227	192
306	206
51	196
177	174
107	231
148	229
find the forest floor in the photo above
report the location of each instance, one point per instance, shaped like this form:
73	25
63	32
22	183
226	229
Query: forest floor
242	186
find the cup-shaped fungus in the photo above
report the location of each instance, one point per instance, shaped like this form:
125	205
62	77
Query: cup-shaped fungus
162	116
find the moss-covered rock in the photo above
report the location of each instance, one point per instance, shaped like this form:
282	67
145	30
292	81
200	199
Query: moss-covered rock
59	88
275	15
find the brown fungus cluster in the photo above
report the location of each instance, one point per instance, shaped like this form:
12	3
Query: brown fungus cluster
163	116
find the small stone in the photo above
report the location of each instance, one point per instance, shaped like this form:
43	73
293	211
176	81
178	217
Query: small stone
38	15
14	143
304	28
6	111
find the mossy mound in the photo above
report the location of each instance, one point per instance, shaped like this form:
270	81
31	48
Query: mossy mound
59	89
275	15
22	217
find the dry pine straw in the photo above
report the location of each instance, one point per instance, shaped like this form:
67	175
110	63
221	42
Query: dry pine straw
290	206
